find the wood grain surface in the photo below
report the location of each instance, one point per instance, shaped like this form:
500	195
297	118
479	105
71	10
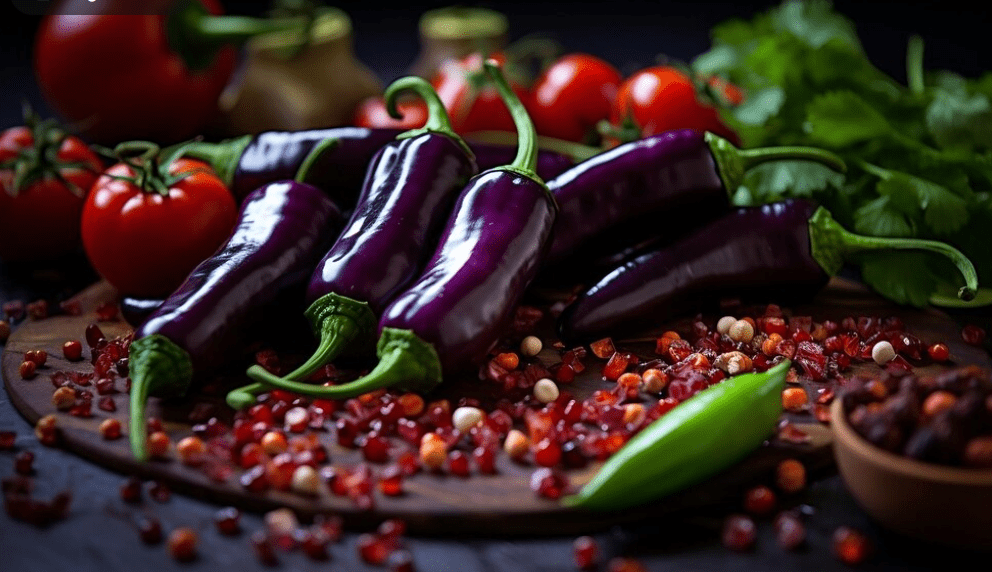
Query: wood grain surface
500	504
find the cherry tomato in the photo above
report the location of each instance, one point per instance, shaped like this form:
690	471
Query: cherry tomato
572	95
662	98
39	211
114	75
144	241
472	102
371	112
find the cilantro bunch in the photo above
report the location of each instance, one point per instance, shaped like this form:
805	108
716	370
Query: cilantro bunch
919	155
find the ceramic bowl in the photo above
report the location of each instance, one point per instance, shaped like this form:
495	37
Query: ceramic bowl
943	504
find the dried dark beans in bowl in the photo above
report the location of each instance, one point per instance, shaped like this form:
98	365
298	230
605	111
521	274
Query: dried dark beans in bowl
944	418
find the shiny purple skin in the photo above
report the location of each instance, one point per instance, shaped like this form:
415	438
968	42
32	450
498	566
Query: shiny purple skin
282	230
633	190
277	155
488	254
755	252
410	188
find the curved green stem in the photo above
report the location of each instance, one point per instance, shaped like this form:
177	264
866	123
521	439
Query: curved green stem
914	65
196	35
733	162
157	366
525	162
577	151
832	244
339	322
437	116
223	156
405	362
311	159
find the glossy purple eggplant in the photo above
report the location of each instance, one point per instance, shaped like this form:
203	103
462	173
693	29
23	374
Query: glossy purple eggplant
409	191
657	186
282	230
340	157
783	250
489	252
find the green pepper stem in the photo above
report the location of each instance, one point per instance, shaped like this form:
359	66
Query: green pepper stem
577	151
325	145
339	322
405	362
389	374
733	163
525	162
831	244
223	156
196	34
438	120
156	366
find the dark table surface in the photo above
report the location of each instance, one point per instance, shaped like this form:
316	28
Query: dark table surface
99	534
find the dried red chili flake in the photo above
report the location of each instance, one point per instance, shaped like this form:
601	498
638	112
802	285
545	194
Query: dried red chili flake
82	409
850	546
678	350
789	433
809	356
71	307
548	482
20	505
37	310
739	533
525	319
107	312
973	335
603	348
586	552
616	366
269	360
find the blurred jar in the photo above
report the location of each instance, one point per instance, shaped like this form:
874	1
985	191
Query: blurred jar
293	83
454	32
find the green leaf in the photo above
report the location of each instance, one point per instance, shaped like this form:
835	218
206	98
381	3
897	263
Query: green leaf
719	59
842	118
790	179
943	211
816	23
760	106
957	119
880	217
899	276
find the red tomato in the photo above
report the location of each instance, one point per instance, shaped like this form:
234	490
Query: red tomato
145	243
472	101
39	216
572	95
662	98
371	112
114	75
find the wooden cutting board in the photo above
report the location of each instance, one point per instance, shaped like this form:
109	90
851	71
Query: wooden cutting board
501	504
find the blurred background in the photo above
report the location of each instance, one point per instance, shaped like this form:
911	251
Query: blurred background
629	34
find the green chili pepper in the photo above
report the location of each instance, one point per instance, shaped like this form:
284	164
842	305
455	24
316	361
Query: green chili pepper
699	438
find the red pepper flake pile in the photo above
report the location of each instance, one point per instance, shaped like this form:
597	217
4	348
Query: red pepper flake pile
280	442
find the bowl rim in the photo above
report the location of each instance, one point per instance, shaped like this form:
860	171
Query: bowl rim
846	435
